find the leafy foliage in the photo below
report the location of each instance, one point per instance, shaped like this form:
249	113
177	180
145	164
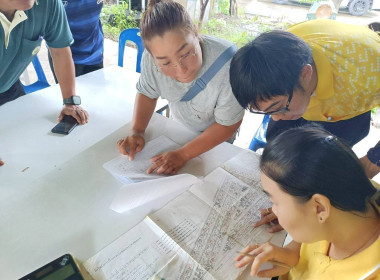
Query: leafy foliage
219	28
116	18
224	6
239	30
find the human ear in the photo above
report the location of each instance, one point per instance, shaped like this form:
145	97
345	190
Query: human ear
306	73
322	207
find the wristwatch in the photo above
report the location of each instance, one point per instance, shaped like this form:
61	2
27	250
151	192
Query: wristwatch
73	100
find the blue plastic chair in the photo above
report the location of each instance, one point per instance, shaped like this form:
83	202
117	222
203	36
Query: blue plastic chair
259	139
41	78
131	34
164	109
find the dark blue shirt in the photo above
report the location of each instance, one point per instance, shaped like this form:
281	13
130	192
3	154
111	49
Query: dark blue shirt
83	17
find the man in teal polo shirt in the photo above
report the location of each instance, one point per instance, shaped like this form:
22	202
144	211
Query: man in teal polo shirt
24	23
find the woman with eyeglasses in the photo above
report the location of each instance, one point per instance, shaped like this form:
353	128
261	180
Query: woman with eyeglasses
175	57
323	199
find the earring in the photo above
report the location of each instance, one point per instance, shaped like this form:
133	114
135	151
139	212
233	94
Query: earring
320	218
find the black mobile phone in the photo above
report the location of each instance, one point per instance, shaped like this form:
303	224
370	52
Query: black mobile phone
63	268
65	126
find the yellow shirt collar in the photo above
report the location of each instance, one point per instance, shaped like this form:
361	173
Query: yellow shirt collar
8	26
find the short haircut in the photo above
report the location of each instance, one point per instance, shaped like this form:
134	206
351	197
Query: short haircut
305	161
268	66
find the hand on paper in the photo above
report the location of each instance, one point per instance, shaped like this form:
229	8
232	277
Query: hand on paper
282	259
1	162
131	145
76	111
167	163
268	217
371	169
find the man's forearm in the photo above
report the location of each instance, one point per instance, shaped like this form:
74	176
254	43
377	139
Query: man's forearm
64	70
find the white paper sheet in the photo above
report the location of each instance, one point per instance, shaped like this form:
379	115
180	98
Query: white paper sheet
135	171
246	167
219	213
135	195
145	252
194	236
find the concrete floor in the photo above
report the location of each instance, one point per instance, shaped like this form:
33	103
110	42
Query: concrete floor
251	121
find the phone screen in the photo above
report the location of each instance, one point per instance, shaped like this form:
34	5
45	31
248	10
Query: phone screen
65	126
62	268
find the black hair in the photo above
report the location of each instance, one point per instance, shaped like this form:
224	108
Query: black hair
375	26
268	66
305	161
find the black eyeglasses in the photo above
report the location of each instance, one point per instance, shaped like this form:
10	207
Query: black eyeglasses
275	112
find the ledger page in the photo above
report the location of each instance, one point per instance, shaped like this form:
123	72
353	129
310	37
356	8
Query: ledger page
145	252
218	213
246	167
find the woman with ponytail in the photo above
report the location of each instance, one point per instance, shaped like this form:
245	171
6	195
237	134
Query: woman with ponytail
176	56
324	200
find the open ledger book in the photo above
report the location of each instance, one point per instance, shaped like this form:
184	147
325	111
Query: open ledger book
194	236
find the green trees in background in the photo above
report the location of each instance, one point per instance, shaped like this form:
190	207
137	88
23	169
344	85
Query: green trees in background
116	18
238	29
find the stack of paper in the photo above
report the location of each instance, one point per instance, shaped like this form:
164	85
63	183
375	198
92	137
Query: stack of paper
194	236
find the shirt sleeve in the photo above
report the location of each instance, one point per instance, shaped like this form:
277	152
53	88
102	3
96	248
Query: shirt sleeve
58	34
148	82
227	110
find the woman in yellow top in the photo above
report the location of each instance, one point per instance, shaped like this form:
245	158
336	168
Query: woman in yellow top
322	198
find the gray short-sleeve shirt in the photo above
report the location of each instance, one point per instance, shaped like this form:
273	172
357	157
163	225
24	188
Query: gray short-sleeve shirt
216	103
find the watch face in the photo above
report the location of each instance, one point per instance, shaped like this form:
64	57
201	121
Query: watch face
76	100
